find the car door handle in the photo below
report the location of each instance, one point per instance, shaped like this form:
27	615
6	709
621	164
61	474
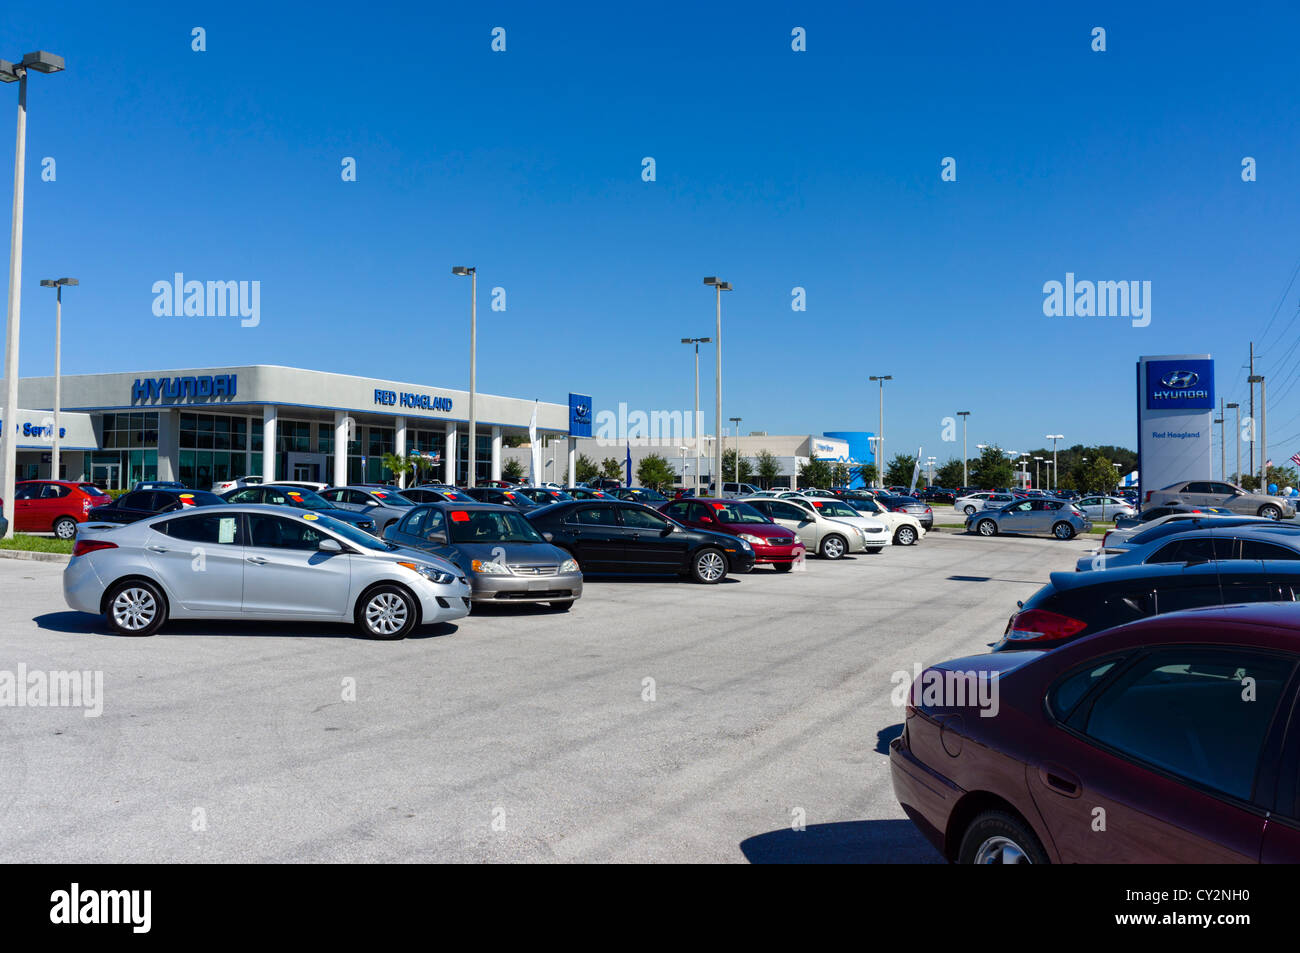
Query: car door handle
1060	780
156	549
257	560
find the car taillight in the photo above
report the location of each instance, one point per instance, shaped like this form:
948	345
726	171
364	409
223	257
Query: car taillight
84	546
1040	625
1147	498
1104	538
900	509
86	504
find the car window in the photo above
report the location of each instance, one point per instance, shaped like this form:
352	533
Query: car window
638	518
28	492
1199	713
435	524
492	526
1021	507
276	532
246	496
52	491
678	511
138	500
1068	692
1253	549
413	523
1199	487
1223	489
1194	549
593	516
207	528
787	511
334	496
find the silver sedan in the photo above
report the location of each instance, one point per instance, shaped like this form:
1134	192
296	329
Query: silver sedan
1105	508
383	505
257	562
1057	517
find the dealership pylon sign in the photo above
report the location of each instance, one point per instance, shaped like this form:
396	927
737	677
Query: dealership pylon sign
1175	404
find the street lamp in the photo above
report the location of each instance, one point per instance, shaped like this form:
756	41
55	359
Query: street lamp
1037	473
1054	437
472	273
1237	408
719	286
41	62
736	421
963	414
1263	431
880	434
695	421
57	284
697	460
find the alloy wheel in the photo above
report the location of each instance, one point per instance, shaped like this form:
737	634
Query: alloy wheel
1001	850
386	613
134	609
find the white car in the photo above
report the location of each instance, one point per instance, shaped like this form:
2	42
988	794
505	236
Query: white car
872	528
252	561
236	484
904	528
982	501
1105	508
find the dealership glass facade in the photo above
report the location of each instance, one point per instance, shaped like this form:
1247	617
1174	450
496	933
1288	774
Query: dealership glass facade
129	453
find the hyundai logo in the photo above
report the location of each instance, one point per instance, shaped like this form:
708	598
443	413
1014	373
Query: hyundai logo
581	410
1180	379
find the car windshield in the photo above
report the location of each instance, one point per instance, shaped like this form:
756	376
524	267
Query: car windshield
738	513
199	498
391	498
91	490
352	534
653	495
306	499
491	526
833	508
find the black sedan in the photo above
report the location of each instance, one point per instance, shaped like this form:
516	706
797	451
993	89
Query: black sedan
614	536
300	499
141	504
436	494
637	494
495	494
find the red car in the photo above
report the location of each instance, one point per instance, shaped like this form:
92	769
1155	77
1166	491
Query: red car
54	506
773	544
1175	739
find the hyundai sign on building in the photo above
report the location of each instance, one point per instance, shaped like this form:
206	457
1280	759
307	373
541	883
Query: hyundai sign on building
1175	410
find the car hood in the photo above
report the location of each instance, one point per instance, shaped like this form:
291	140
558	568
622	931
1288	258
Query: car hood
766	530
525	554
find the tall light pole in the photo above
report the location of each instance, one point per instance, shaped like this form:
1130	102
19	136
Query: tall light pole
880	434
736	421
719	286
963	414
1038	473
41	62
695	421
472	272
1263	431
697	460
57	284
1237	441
1223	448
1054	437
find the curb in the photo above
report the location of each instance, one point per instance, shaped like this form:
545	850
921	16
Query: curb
33	556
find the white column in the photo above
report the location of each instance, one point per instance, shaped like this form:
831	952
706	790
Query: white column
169	435
340	448
449	454
248	447
399	445
270	415
573	461
496	453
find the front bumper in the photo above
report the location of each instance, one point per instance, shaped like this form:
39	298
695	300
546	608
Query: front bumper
503	588
771	555
443	603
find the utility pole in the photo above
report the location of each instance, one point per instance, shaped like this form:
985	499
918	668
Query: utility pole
965	479
1250	379
1237	440
1223	447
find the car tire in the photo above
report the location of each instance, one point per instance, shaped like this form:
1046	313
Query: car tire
1063	531
135	607
783	567
986	528
564	605
833	546
65	527
1270	512
906	536
709	566
969	510
996	837
385	612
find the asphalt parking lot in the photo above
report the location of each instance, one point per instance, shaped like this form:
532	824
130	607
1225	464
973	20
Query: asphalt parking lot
517	734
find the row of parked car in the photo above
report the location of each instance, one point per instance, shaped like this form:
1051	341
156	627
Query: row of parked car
390	559
1147	706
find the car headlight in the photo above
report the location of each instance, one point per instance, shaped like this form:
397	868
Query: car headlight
490	567
569	565
431	573
751	539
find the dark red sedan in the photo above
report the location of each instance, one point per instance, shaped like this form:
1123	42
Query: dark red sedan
773	544
1175	739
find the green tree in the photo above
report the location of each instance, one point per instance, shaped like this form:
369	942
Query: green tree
840	474
397	466
867	474
585	468
815	473
1095	476
949	475
769	470
513	440
421	466
729	466
655	472
899	470
512	470
1281	476
992	469
612	469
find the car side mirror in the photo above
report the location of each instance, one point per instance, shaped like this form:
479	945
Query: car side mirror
667	530
328	545
549	537
706	519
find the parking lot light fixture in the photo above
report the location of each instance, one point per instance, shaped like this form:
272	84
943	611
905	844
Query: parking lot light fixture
1054	437
880	432
719	286
1237	408
695	421
58	285
472	273
963	414
736	421
40	62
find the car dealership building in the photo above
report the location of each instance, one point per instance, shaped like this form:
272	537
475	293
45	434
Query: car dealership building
205	425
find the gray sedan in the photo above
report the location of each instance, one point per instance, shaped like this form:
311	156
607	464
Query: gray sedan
505	558
1227	495
1105	508
383	505
1057	517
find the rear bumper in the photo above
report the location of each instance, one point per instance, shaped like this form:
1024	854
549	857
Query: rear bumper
82	587
926	797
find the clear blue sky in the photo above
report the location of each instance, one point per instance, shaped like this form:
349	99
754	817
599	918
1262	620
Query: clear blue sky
775	169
